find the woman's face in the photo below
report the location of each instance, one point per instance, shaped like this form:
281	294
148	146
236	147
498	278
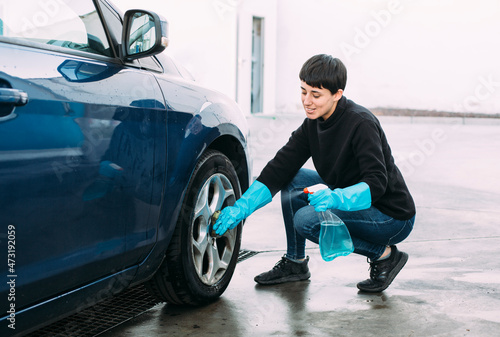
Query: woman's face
318	102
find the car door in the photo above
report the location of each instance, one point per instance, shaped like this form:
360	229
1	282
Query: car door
78	130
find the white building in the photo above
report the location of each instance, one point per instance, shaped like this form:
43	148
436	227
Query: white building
427	54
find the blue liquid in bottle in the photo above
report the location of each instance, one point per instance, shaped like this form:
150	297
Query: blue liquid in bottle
334	237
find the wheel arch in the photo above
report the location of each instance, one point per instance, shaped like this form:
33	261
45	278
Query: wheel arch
173	282
236	153
227	139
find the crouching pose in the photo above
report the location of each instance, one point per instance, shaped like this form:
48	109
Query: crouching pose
352	157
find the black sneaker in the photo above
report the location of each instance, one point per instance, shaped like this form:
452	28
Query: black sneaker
383	272
285	271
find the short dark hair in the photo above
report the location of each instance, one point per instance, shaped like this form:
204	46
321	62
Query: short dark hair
324	71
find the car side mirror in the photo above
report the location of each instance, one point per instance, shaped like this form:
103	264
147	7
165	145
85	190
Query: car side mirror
144	34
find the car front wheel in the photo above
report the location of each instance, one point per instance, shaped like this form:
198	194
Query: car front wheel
198	267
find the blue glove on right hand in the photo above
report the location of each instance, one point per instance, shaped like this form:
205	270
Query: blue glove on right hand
254	198
229	218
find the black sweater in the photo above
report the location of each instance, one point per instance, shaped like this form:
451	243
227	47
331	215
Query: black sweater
348	148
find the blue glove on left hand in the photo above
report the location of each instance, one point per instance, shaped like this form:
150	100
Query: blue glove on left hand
352	198
110	169
323	200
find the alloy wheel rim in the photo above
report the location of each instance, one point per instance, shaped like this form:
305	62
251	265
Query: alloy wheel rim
212	256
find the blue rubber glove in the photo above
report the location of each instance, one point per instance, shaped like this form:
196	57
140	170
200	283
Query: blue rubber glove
352	198
109	169
254	198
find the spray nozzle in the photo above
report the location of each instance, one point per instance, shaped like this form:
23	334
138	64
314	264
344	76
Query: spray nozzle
314	188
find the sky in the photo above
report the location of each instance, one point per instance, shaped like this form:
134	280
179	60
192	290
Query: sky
421	54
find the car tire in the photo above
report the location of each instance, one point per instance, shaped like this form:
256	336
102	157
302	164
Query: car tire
198	267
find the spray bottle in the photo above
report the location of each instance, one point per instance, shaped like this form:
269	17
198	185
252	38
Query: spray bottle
334	237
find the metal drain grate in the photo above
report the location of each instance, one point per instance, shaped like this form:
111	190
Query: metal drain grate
109	313
246	254
101	317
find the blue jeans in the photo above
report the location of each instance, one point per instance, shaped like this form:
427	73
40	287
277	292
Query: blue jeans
371	230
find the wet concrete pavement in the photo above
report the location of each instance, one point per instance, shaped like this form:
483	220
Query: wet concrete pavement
449	287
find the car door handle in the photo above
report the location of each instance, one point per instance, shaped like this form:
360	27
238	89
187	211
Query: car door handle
13	97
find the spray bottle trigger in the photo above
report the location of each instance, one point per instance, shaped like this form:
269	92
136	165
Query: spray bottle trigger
314	188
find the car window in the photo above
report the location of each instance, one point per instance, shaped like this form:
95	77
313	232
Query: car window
73	24
113	22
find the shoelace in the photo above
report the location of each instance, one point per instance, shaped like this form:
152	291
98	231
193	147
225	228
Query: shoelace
280	263
372	268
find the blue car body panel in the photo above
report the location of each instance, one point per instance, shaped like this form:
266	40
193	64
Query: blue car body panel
93	172
71	219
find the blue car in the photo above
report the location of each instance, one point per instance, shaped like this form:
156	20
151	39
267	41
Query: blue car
112	163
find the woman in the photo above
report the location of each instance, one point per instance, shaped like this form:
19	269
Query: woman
352	157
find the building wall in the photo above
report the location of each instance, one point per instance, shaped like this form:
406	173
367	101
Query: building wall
425	54
213	40
203	37
266	9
